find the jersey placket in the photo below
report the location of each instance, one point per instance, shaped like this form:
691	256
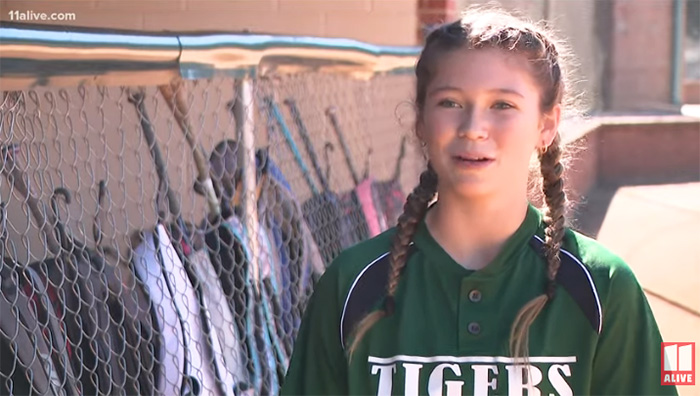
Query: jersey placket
477	319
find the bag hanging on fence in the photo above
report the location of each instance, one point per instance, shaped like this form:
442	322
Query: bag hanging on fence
391	197
227	257
27	365
230	254
364	194
131	307
295	254
198	262
323	212
221	315
301	259
74	281
203	366
80	273
229	245
350	224
34	349
148	262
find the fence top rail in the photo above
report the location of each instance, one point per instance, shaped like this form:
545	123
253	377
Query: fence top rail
38	55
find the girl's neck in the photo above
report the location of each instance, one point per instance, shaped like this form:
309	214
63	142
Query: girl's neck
473	232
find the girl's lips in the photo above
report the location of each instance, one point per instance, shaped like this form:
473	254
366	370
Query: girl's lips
472	162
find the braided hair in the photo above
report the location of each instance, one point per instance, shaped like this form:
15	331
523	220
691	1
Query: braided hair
478	29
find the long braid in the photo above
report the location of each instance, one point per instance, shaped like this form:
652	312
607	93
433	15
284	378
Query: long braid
555	199
414	211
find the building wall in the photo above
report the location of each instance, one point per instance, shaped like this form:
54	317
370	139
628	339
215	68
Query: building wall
622	48
386	22
641	59
574	21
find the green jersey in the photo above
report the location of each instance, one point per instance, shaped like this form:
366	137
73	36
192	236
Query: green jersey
450	330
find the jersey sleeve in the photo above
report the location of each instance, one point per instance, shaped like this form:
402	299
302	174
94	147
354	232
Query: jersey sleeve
318	365
628	354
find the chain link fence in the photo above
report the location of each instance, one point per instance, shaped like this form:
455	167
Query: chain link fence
165	239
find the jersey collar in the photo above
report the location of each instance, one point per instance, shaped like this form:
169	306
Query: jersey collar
434	252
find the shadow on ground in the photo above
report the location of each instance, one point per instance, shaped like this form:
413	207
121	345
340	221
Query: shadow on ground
590	212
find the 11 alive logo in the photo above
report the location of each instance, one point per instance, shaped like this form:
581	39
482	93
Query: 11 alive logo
677	363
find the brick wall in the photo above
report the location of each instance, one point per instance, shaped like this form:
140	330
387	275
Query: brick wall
640	70
626	151
385	22
664	151
575	22
691	92
434	12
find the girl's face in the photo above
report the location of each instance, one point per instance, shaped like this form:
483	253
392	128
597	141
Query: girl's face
482	121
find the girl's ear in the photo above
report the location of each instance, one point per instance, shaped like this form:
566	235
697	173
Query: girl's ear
550	126
420	130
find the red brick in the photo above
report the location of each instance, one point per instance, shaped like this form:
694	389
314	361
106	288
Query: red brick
141	5
691	92
447	7
46	6
394	5
641	60
653	151
256	21
384	28
324	5
229	5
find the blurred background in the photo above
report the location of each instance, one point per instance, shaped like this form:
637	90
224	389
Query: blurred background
634	183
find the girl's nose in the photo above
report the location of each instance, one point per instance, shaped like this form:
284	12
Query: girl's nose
473	126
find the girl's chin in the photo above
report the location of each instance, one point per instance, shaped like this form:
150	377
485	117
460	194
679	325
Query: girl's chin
468	188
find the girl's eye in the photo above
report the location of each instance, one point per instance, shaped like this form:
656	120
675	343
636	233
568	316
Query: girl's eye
448	103
502	106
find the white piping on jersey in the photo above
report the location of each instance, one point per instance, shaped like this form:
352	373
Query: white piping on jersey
590	281
470	359
347	298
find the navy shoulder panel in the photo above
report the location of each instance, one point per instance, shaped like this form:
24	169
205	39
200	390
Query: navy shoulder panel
576	279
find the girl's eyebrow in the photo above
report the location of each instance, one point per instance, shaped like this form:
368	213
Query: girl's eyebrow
506	91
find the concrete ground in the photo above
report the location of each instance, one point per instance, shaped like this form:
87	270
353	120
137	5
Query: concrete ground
656	229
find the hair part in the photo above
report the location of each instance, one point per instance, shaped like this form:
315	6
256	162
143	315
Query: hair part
479	29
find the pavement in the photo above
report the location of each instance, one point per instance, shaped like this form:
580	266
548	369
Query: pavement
656	230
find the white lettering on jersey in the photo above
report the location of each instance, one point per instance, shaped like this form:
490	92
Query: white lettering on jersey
517	378
386	376
412	378
523	377
558	382
482	382
435	383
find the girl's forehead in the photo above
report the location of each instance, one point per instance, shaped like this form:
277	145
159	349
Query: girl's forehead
466	68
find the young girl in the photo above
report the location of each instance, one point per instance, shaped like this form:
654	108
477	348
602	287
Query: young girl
476	291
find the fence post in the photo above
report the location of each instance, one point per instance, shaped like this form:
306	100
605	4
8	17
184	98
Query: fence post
245	122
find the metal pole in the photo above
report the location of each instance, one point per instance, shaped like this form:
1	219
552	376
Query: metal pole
677	52
245	120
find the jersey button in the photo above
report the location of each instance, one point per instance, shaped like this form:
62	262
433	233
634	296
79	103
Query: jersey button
474	328
475	296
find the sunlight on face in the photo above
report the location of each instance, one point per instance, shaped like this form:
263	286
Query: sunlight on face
482	122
